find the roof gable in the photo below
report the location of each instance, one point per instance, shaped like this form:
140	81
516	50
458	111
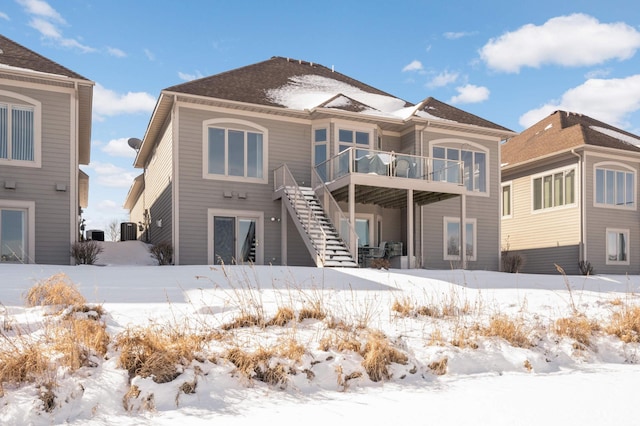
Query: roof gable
562	131
14	55
433	108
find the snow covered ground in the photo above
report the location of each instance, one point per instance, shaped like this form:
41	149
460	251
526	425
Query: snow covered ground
485	380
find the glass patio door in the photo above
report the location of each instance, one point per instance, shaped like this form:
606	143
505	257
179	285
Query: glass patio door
13	235
234	240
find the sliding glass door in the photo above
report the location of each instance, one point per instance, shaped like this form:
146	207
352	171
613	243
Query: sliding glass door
234	239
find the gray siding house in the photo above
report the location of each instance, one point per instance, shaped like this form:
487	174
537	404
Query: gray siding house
289	162
45	134
570	195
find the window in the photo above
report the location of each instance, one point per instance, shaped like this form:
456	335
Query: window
348	139
446	167
615	188
452	238
617	247
554	189
17	242
237	152
320	153
506	200
19	130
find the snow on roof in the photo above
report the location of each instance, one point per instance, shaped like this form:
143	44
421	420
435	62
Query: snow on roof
614	134
309	91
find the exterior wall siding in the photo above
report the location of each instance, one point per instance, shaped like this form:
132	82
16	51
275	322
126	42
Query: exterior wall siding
598	219
287	143
52	208
485	209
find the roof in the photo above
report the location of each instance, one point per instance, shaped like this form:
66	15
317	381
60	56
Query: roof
15	55
562	131
301	85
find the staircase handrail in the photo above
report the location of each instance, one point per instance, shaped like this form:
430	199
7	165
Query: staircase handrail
323	193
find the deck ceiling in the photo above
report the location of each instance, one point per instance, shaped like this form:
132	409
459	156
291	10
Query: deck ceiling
391	198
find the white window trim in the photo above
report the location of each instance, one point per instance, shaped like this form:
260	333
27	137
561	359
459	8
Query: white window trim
461	144
258	215
227	123
551	173
614	166
510	185
606	246
37	130
345	125
327	143
473	221
30	207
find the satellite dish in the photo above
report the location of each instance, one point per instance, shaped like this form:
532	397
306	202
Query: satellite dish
134	143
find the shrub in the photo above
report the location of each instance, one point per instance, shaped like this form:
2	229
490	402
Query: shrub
162	252
380	263
585	267
512	262
86	252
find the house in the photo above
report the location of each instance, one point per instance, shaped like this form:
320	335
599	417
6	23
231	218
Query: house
569	195
289	162
45	134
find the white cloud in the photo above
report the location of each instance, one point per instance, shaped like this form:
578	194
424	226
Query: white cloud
110	175
599	73
113	51
119	148
469	94
150	55
443	79
45	20
413	66
42	9
4	16
574	40
109	205
189	77
109	103
610	101
456	35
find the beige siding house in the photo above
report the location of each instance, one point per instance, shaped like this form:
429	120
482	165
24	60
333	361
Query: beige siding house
288	162
45	134
569	195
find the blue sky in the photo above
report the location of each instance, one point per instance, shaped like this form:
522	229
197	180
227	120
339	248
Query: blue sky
509	62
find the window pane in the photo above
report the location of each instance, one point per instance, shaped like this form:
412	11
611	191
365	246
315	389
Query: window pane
236	153
506	200
558	198
216	151
546	191
362	138
453	167
630	190
224	235
22	134
362	229
470	238
345	136
569	187
254	155
480	172
612	246
467	160
600	186
610	186
247	237
622	248
537	194
12	236
321	135
438	152
453	238
4	130
620	189
320	155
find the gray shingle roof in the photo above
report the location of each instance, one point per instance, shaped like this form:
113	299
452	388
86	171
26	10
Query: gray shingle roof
18	56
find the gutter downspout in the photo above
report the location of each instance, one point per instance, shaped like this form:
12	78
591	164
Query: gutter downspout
583	231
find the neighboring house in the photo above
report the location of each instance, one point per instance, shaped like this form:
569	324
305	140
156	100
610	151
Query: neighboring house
570	192
268	162
45	133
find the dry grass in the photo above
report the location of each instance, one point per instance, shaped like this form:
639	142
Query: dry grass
576	327
404	307
464	336
77	340
314	311
282	317
244	320
625	324
341	341
378	354
514	331
156	351
439	367
57	290
24	362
